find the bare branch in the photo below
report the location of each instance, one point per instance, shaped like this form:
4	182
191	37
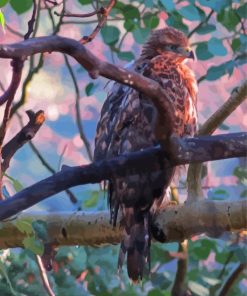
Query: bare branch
32	21
233	277
77	108
104	12
190	150
194	171
44	276
176	223
26	134
178	288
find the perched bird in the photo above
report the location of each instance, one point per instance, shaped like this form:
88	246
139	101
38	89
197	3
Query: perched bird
128	121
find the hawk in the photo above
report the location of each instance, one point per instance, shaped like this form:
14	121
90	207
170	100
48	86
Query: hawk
127	124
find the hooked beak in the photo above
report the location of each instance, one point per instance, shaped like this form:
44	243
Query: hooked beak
189	53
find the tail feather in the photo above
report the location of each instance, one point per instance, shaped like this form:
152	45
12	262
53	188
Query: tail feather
136	244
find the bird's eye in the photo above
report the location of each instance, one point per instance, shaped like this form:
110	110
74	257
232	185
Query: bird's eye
173	47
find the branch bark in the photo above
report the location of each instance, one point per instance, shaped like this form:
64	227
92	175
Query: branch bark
93	229
187	150
25	135
95	68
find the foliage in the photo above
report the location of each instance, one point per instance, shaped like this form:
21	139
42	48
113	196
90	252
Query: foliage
84	270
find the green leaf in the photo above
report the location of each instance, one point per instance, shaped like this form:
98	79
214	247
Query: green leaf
241	174
216	72
168	4
223	127
198	289
140	35
216	47
150	20
3	2
202	52
155	292
110	34
16	184
216	5
5	274
92	201
205	29
131	12
25	226
126	56
229	19
85	2
236	44
21	6
242	10
90	88
34	245
244	193
210	281
40	228
175	20
190	12
2	20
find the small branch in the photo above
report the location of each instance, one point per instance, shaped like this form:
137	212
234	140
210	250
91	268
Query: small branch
81	15
44	276
26	134
32	21
77	108
96	67
104	12
238	96
152	159
194	171
70	194
53	2
176	223
178	288
201	23
231	280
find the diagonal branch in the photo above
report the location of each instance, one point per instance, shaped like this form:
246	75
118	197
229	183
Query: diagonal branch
26	134
32	21
188	150
194	172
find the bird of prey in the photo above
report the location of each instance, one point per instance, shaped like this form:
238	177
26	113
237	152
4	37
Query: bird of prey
127	123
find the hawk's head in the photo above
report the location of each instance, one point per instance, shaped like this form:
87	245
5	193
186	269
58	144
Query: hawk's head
168	42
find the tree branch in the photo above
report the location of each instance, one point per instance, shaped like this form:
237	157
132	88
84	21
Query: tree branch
95	67
25	135
93	228
188	150
194	171
232	279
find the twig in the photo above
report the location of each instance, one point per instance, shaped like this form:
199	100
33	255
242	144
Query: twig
201	23
152	159
232	279
237	97
81	15
194	171
102	20
32	21
178	288
44	277
26	134
13	31
53	2
26	83
77	108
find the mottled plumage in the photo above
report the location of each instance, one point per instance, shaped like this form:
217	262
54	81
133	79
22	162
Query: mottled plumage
128	122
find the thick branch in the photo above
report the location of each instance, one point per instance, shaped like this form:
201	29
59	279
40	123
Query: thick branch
93	229
95	67
25	135
189	150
